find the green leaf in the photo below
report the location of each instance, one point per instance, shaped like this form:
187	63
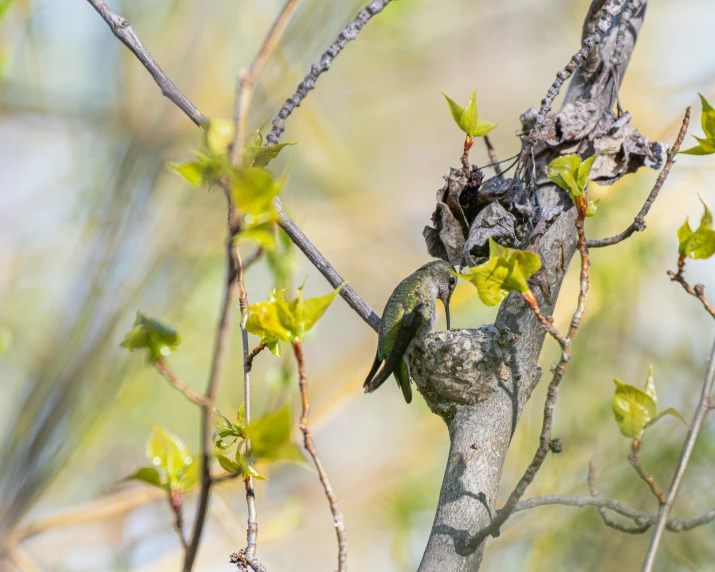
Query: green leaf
274	347
633	409
192	171
229	465
251	471
592	207
151	476
271	438
507	270
563	171
147	333
219	135
277	319
166	451
253	190
263	236
649	387
707	121
670	411
467	118
701	243
189	477
259	155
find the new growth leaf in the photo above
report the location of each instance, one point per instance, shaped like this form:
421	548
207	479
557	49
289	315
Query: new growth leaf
507	270
467	118
149	334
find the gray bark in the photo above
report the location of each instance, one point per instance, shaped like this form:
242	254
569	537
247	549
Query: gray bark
478	381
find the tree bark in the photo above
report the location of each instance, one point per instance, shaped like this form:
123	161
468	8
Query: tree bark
478	381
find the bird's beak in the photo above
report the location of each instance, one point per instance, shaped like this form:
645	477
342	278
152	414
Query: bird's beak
446	311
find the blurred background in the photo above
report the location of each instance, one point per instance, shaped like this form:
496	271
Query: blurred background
93	227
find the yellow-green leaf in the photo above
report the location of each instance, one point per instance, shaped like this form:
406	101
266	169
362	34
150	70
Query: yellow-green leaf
649	386
228	465
260	155
271	434
147	333
467	118
166	451
507	270
151	476
253	190
592	207
672	411
633	409
706	145
701	243
192	171
262	236
219	135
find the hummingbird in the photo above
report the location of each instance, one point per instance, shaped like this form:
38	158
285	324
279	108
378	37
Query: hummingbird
409	315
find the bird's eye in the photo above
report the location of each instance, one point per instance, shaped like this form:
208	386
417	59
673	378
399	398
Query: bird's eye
452	281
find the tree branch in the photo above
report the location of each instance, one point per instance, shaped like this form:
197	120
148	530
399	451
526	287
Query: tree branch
223	331
696	428
698	291
247	78
634	459
638	223
349	33
646	519
310	447
325	268
123	30
189	393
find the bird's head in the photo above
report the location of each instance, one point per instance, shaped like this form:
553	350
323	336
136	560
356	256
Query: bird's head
442	274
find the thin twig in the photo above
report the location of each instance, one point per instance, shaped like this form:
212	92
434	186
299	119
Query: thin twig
325	268
493	160
558	373
223	331
698	291
189	393
638	223
255	257
634	459
605	517
248	77
123	30
176	504
646	519
310	447
696	427
602	27
546	323
468	142
243	560
350	32
257	350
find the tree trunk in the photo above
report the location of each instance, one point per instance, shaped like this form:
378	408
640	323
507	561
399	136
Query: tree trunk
478	381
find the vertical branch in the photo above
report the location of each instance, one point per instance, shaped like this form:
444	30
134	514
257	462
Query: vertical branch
704	406
310	447
247	79
223	331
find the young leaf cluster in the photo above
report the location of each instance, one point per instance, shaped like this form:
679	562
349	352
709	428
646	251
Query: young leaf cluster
173	468
507	270
149	334
252	186
571	173
706	145
700	243
270	438
279	320
637	409
467	118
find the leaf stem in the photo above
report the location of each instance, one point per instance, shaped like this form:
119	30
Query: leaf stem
193	396
468	142
634	459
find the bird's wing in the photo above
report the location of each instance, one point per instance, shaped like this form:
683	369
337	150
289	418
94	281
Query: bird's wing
373	370
402	376
409	327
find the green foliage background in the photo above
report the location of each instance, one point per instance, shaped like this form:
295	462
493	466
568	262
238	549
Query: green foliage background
93	226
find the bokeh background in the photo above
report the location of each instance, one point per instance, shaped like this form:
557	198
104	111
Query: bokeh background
93	227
